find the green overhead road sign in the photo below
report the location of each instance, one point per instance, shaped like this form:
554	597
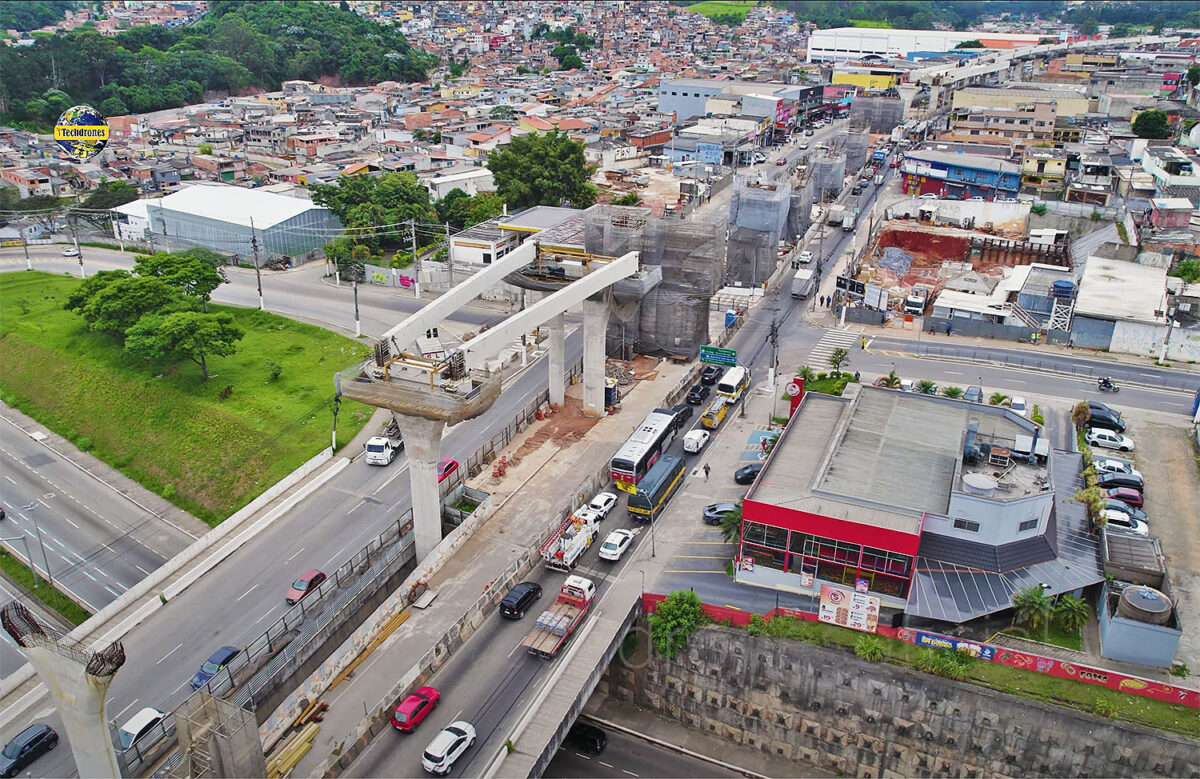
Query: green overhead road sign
715	355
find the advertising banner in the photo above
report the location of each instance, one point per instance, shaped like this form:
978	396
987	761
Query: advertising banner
849	609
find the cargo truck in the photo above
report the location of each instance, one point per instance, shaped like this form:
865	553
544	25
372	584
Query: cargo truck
382	449
848	222
915	302
878	179
557	623
568	543
834	217
803	283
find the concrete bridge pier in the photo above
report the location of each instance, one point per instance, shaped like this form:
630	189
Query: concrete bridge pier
558	360
595	327
423	443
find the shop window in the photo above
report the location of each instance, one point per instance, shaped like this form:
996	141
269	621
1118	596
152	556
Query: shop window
754	532
799	564
777	537
771	558
892	586
886	562
833	572
838	551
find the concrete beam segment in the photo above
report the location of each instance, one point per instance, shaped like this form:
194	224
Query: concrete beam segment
558	360
423	443
486	345
434	312
595	329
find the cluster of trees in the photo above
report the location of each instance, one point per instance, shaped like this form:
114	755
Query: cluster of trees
568	57
921	14
238	45
1135	16
159	312
32	14
42	208
567	36
727	20
1152	124
542	169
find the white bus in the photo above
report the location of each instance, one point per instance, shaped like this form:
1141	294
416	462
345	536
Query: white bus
734	383
643	447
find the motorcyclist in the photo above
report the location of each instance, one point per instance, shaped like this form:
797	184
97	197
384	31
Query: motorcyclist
1106	381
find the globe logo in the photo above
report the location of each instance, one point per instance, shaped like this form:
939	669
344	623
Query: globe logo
81	132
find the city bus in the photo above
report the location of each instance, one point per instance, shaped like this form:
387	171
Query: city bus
734	383
715	412
641	449
656	488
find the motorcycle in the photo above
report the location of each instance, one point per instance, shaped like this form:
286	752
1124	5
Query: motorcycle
1107	385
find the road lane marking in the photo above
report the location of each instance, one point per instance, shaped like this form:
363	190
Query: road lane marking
264	616
114	592
127	708
72	524
953	373
177	689
9	478
631	773
168	654
140	568
677	570
580	754
703	556
606	765
247	592
93	578
335	555
293	557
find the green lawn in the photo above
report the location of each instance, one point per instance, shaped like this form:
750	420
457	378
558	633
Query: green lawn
717	7
1052	634
159	423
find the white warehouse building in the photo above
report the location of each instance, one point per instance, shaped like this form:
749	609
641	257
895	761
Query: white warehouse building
839	44
225	218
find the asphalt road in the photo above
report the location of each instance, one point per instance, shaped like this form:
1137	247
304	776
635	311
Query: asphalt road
627	756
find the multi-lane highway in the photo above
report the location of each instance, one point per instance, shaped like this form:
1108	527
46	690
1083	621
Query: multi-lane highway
627	756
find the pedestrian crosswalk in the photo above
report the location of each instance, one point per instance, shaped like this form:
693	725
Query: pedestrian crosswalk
818	358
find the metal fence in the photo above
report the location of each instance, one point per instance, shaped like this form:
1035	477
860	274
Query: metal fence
281	642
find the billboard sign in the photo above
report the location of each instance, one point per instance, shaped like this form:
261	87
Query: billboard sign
856	610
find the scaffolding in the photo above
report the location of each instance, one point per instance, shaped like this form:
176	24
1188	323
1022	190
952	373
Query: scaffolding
877	113
829	174
856	150
758	214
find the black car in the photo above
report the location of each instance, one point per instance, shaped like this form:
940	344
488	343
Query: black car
27	746
697	394
1108	480
714	511
1096	407
973	395
747	474
1106	421
1112	504
711	373
520	598
587	737
683	413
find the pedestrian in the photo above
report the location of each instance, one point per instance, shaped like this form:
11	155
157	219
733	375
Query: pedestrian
863	343
822	298
706	471
948	328
1071	342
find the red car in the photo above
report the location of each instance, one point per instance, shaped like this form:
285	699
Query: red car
1124	494
308	582
445	468
895	164
415	708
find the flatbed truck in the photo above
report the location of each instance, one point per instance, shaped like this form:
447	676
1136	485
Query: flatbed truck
557	623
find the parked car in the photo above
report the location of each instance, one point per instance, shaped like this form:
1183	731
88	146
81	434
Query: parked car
138	725
808	133
711	373
587	737
894	163
977	197
213	665
1127	495
805	257
1112	504
747	474
615	544
603	503
70	251
1120	521
415	708
973	395
447	746
519	598
1095	406
1109	440
1101	420
927	196
697	394
25	747
1115	466
682	412
1108	480
1017	405
309	581
714	511
446	467
802	145
695	440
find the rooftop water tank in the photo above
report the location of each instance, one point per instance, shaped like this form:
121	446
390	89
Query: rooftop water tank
1145	604
1062	289
979	484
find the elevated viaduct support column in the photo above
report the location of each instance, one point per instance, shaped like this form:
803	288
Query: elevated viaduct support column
558	360
595	326
423	443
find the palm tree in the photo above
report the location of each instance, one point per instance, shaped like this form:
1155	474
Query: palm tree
1071	613
926	387
837	359
952	392
891	381
731	525
999	399
1033	607
1080	415
807	374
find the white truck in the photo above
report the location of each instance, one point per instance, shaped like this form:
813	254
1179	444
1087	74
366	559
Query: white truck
848	222
803	283
382	449
878	179
835	215
916	301
566	545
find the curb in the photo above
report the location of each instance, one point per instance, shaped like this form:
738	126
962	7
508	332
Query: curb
1052	371
673	747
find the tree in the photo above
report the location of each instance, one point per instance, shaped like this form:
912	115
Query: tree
998	399
839	357
628	199
1089	26
204	148
118	303
952	392
891	381
806	373
364	203
1188	270
1072	613
191	334
502	113
926	387
731	525
675	619
113	106
190	275
1121	30
1193	75
542	169
1032	606
570	62
108	195
1081	413
1158	23
971	44
1152	124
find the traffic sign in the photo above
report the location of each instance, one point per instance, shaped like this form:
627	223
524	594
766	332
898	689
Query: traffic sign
716	355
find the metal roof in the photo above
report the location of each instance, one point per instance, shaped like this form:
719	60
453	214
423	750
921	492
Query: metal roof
234	205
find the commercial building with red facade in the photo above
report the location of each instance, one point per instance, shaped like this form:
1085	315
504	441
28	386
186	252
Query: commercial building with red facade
941	508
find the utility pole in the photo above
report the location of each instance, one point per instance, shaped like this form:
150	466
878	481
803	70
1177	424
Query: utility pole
357	327
412	223
31	508
337	402
116	232
773	339
25	246
75	240
150	229
449	255
257	270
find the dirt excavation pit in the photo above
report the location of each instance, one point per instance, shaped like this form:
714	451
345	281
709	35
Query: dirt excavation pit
563	428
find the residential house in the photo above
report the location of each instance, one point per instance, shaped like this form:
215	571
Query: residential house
1044	173
1026	124
959	175
1171	212
219	168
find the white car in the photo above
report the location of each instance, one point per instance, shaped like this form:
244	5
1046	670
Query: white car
615	544
1116	466
603	503
927	196
447	747
805	257
70	251
1018	405
802	146
139	725
1119	520
695	440
1109	440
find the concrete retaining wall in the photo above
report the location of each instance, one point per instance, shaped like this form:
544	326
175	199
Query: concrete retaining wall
827	707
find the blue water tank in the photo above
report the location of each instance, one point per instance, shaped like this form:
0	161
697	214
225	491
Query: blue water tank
1062	289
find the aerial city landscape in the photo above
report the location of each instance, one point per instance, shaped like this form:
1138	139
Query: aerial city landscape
599	388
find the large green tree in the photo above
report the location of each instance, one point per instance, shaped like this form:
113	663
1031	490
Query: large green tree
674	620
190	334
190	275
375	207
542	169
115	304
1152	124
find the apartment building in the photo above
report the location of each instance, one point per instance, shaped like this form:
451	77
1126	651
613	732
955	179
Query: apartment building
1024	124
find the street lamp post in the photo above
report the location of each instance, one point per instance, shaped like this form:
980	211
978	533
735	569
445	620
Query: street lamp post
31	508
652	517
25	542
